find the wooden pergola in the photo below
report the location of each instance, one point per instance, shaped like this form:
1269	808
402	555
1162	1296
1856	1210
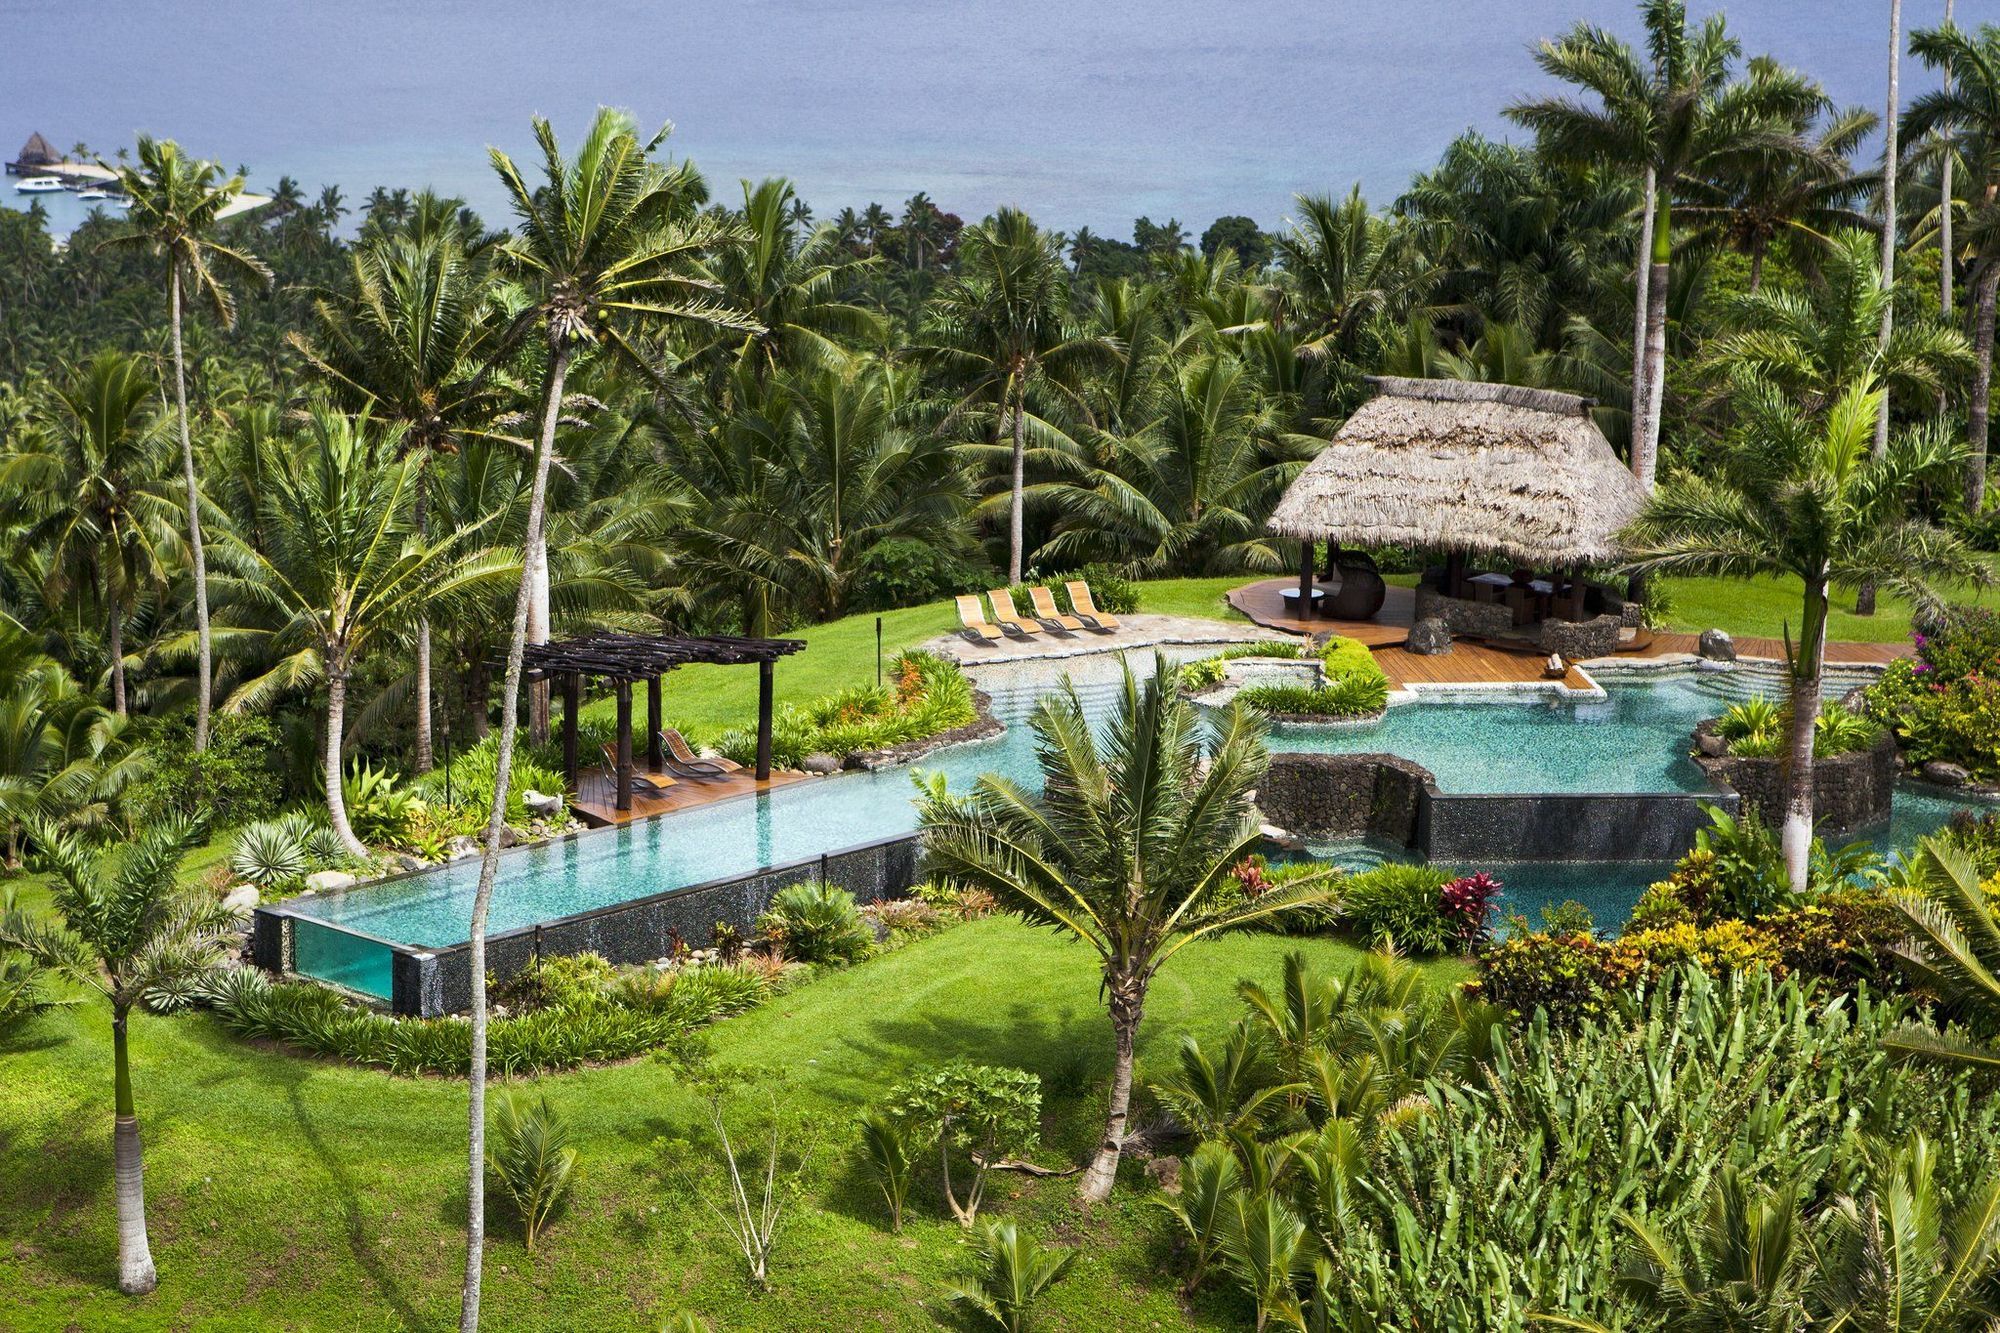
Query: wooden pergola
624	660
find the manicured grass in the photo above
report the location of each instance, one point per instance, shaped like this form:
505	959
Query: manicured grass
291	1193
1765	606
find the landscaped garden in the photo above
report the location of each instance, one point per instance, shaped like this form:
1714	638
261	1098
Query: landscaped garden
1043	892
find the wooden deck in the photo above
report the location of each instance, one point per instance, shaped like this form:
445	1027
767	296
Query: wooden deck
595	801
1470	663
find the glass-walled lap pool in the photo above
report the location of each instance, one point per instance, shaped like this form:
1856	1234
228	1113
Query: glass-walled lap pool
1633	741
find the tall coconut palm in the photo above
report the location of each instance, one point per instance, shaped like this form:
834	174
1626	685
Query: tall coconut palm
791	284
1891	167
1345	271
129	930
176	203
1801	494
1003	329
1965	116
96	478
411	339
607	241
1668	116
1135	830
341	569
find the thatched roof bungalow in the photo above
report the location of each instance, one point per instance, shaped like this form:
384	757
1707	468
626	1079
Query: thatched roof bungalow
36	155
1479	469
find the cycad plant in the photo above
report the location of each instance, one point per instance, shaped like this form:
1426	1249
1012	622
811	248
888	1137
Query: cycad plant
531	1160
1956	955
129	930
176	203
1137	826
1015	1271
885	1144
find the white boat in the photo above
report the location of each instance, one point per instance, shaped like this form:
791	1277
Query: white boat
40	185
94	195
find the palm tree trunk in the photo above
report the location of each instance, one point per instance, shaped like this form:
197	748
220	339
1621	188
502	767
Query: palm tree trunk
1758	249
1944	216
136	1274
116	635
538	632
1642	285
1796	836
1014	528
1982	386
1646	432
489	861
1128	1003
204	662
1889	172
336	728
423	651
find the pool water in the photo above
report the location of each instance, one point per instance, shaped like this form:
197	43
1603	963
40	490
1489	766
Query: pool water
1635	740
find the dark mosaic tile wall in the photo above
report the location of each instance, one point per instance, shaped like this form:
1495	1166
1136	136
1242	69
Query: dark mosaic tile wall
1468	830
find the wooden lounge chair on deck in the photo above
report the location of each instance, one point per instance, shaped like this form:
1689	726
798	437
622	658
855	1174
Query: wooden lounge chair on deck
1046	612
1086	608
643	783
1004	617
682	761
972	621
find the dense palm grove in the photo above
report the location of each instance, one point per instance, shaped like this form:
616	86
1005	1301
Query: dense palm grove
286	492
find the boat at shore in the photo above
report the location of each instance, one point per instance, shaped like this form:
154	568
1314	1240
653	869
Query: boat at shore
39	185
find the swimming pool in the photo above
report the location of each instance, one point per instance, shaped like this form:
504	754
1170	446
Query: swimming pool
1632	741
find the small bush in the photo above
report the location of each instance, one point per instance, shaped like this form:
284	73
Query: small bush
885	1146
574	981
473	774
816	923
982	1111
1467	905
1945	705
1399	906
904	918
378	805
1114	593
529	1156
1348	697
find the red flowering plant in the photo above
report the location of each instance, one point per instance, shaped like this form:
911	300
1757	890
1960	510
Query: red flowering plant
1251	877
1467	904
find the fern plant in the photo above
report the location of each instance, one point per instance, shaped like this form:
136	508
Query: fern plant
530	1159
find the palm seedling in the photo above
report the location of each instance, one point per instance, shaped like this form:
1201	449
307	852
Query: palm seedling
531	1160
1015	1272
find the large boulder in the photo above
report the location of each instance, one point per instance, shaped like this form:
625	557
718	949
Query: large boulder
1430	637
1716	645
1946	774
821	763
540	805
328	881
242	899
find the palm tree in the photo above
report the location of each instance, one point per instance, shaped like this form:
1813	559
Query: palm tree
130	931
1800	493
1136	828
1892	165
63	758
876	223
1345	270
411	339
1897	1260
1803	192
608	240
1956	955
176	202
1001	329
1964	115
791	285
1671	118
97	481
340	569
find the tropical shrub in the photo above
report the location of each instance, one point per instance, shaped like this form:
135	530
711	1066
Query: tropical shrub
1352	696
472	774
816	923
1467	905
983	1112
927	696
885	1146
378	805
1558	974
1945	704
1013	1273
277	854
1205	672
575	981
232	782
1756	728
1401	906
1112	591
529	1157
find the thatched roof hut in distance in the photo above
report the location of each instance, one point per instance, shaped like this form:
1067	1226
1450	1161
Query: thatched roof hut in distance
1453	465
36	154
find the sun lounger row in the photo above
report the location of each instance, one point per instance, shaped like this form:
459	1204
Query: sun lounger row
680	761
1047	617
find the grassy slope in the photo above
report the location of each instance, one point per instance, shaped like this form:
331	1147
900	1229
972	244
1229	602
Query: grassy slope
299	1194
1765	606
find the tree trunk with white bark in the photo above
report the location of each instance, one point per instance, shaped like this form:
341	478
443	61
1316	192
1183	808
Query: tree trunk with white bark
197	560
1128	1004
336	730
136	1274
1797	832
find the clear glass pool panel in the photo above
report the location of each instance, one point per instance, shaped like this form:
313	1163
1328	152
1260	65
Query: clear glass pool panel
328	953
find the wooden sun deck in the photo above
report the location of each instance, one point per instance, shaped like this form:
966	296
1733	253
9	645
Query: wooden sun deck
1473	663
595	803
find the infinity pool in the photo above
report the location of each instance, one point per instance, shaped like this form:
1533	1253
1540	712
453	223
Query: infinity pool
1633	741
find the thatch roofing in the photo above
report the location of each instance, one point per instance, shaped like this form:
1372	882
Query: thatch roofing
1482	468
38	152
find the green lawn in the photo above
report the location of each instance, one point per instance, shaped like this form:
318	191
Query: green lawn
1766	606
292	1193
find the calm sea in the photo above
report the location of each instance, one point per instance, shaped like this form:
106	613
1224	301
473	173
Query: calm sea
1085	112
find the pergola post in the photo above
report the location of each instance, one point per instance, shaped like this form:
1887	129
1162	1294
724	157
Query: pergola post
572	692
766	680
654	721
623	799
1305	578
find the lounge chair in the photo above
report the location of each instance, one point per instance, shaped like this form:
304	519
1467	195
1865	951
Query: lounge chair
1086	609
643	783
682	761
1046	612
972	621
1004	617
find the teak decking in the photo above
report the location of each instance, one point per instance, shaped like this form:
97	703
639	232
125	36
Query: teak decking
596	804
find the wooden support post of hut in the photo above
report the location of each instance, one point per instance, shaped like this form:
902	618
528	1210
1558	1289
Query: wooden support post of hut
766	686
623	750
654	722
572	702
